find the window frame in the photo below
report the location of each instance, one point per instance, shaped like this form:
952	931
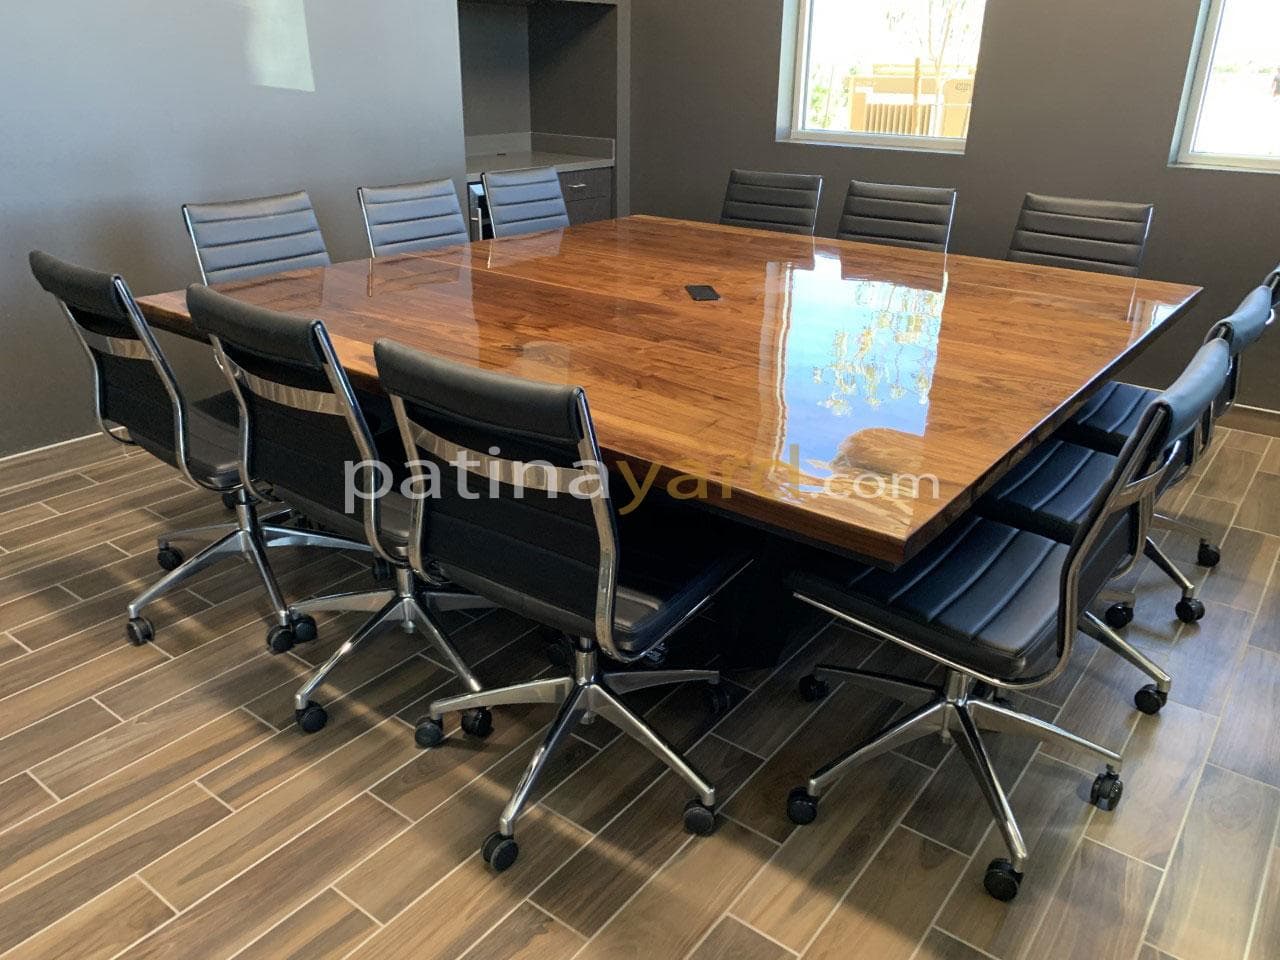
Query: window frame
1191	111
795	39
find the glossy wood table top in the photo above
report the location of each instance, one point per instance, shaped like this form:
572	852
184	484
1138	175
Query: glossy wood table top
828	375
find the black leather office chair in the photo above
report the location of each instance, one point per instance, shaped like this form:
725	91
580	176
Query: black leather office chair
1104	236
412	217
782	202
137	400
243	239
1107	421
306	434
524	201
999	608
537	534
900	216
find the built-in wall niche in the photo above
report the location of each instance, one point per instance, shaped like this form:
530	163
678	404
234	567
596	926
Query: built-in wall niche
542	86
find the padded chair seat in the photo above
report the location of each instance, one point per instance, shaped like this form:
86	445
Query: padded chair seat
1051	490
985	596
1110	417
213	433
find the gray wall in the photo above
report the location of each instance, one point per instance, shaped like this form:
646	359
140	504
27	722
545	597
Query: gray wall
495	67
1077	98
114	114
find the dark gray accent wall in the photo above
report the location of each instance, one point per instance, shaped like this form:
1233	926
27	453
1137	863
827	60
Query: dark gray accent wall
495	67
1076	98
114	114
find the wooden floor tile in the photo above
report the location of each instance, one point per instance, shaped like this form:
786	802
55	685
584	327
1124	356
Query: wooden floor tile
1202	657
1232	471
941	946
20	797
527	934
1148	952
60	458
326	928
1260	508
1099	709
242	910
803	882
1265	944
1266	627
733	940
1241	577
685	899
622	857
1248	741
42	489
22	516
1051	803
60	828
1100	908
41	603
106	859
50	736
1162	764
1206	906
99	520
472	898
19	579
889	909
100	929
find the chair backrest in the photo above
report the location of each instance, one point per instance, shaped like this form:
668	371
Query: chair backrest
524	201
901	216
1240	331
300	421
243	239
521	514
1111	536
412	217
1104	236
133	384
782	202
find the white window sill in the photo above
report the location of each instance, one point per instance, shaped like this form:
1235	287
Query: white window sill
872	141
1227	164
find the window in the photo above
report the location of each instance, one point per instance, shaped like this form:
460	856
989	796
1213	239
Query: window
886	73
1231	113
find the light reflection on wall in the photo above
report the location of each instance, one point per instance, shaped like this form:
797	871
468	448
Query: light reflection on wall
277	46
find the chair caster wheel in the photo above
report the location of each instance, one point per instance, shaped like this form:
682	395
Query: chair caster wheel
718	699
499	852
280	639
167	558
1001	880
801	808
304	629
1149	700
428	733
560	652
140	631
1208	555
382	571
1107	790
1189	610
812	689
699	819
1119	615
229	500
478	722
312	718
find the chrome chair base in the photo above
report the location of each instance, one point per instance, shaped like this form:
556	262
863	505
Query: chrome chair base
1208	553
410	604
956	715
248	539
588	693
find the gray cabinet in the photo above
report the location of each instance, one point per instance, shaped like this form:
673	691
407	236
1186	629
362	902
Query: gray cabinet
588	194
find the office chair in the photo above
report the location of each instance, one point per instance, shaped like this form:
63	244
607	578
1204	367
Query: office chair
1107	421
1104	236
243	239
412	217
900	216
304	432
543	541
524	201
782	202
135	389
998	608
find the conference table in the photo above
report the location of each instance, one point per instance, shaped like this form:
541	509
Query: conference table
854	396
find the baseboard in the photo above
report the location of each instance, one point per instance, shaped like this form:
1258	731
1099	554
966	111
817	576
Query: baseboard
1253	419
50	446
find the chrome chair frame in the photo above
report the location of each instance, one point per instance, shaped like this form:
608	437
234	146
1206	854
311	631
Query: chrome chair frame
964	705
590	691
409	604
247	538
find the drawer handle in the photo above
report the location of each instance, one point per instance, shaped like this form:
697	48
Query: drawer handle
577	186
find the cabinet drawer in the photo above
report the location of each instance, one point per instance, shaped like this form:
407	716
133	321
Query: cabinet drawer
586	211
587	184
